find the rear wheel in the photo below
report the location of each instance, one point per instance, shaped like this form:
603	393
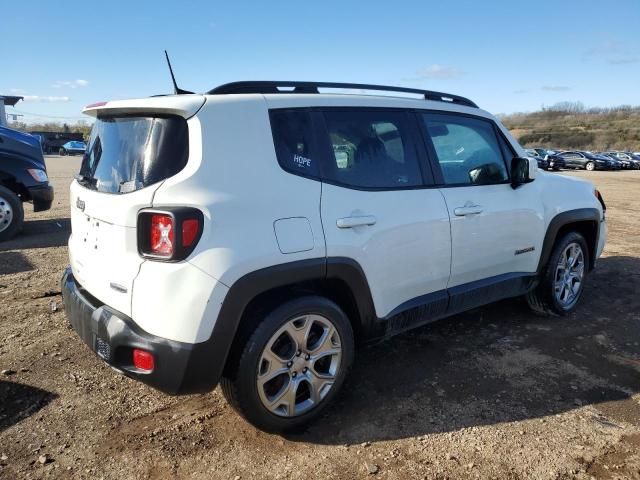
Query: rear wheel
11	214
590	166
563	277
292	366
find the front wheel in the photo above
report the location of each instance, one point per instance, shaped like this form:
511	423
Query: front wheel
11	214
590	166
292	366
562	280
63	152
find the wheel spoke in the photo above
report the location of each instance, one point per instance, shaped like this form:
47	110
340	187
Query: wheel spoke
326	341
318	384
280	397
289	397
299	334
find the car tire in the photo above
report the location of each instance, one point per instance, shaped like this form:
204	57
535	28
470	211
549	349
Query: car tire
560	288
62	152
262	402
11	214
590	166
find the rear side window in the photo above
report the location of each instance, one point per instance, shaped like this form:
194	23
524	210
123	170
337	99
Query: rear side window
293	138
129	153
371	149
467	149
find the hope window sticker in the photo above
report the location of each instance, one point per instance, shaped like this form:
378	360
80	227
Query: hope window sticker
302	162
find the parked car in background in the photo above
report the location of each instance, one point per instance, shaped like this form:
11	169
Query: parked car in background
52	141
542	162
555	161
588	161
23	178
73	148
632	160
624	164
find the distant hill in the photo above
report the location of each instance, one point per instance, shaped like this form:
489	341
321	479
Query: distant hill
571	126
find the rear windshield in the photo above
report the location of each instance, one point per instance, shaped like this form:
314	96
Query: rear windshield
129	153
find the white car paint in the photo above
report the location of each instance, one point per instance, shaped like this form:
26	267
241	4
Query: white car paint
410	242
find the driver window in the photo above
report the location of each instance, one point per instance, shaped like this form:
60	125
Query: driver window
468	150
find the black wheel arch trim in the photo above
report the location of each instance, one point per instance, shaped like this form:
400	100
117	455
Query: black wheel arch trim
215	351
563	219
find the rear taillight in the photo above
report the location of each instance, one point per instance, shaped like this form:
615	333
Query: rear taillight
601	200
162	236
169	234
190	231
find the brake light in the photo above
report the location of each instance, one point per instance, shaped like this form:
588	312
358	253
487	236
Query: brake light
143	360
96	105
169	234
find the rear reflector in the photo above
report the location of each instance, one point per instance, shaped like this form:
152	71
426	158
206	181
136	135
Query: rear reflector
162	235
143	360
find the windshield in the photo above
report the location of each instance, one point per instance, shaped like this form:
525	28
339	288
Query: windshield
129	153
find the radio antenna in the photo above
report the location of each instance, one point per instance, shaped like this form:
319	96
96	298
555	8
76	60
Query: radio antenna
177	90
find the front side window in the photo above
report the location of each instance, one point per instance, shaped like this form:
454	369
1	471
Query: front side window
467	149
371	149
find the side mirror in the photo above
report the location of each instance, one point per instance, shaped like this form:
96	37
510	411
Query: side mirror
523	170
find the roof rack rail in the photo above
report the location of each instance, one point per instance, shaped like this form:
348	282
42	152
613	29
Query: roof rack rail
312	87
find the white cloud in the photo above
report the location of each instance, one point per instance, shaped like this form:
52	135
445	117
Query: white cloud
556	88
439	71
623	59
614	53
80	83
17	91
520	91
45	99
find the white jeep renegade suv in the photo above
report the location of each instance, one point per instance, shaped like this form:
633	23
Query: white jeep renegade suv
255	234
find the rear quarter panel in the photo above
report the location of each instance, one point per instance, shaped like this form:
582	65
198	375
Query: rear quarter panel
233	175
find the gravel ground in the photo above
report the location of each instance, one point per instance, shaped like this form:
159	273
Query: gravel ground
493	393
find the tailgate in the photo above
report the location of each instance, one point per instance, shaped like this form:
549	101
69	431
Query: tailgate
103	247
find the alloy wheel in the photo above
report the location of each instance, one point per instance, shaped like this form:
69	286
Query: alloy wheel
299	365
6	214
569	275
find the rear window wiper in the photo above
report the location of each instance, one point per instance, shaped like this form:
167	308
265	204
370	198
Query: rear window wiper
84	180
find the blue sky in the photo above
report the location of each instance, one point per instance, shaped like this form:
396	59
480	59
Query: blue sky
505	55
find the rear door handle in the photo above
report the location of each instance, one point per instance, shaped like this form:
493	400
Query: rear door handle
361	221
467	210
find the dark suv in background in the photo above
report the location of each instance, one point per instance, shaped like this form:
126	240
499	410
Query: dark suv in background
23	178
554	161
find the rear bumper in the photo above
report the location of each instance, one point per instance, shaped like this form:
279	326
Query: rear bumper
42	197
603	231
179	367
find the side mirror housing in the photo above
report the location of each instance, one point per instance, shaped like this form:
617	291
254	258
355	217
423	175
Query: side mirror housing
523	170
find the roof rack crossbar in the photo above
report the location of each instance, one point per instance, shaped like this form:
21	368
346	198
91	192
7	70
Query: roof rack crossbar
313	87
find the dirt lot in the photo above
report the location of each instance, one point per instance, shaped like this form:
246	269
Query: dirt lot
493	393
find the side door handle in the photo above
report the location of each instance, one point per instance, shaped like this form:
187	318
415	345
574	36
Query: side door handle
360	221
468	209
